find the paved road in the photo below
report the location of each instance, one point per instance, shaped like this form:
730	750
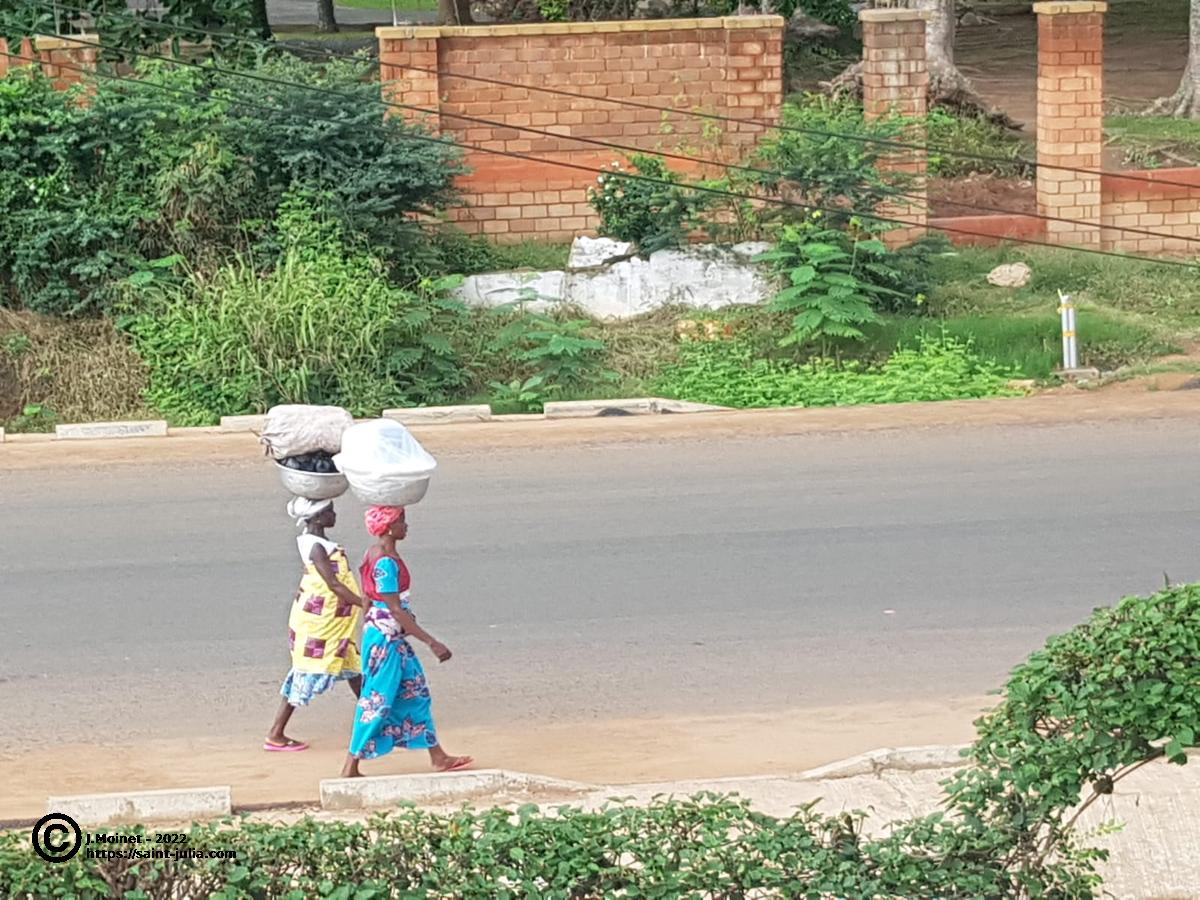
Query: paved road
592	583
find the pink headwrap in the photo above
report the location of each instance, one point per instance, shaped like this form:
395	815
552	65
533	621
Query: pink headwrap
381	518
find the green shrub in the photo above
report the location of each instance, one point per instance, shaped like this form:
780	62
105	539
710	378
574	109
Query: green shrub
825	286
94	193
325	326
1074	720
727	373
553	354
819	165
651	214
958	145
224	22
831	12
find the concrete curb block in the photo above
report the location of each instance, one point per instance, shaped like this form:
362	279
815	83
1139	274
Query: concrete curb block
110	430
241	424
902	759
642	406
172	805
440	415
340	794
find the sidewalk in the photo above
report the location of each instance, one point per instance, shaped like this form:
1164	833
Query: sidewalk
1155	855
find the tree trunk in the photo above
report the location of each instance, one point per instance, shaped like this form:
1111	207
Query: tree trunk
948	87
325	18
1185	102
258	12
455	12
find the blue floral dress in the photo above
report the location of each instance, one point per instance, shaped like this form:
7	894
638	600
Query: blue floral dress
395	707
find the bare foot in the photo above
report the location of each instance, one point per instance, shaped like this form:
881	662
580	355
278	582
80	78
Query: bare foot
350	769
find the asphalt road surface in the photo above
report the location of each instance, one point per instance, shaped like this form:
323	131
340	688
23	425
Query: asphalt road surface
577	584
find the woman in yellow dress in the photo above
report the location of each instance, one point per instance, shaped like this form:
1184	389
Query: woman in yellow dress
323	628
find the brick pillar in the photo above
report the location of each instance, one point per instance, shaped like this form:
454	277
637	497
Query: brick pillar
896	83
65	61
399	49
1070	117
752	86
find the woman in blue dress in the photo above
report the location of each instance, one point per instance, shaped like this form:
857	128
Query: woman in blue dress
394	708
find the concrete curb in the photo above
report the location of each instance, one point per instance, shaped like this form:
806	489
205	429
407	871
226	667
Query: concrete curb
440	415
347	794
419	415
901	759
242	424
340	794
172	805
110	430
642	406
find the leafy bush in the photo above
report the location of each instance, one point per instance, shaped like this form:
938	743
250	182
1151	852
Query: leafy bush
1091	708
95	192
554	355
125	29
958	143
450	251
831	12
325	326
727	373
1080	715
820	166
652	215
823	289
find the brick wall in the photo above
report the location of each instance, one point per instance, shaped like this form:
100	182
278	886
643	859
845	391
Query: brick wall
60	59
731	66
1169	209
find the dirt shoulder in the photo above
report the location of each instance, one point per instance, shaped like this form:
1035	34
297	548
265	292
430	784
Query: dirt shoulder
1069	406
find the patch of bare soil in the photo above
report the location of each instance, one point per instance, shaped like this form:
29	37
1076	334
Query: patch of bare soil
981	195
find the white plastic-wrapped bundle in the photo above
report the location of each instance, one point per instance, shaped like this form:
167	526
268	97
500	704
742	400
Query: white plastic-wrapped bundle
297	430
384	463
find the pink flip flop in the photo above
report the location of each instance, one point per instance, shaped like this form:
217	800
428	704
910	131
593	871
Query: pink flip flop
290	747
463	762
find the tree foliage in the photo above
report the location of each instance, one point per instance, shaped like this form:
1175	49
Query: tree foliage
188	162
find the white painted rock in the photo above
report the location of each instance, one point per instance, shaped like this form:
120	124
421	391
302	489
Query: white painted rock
1012	275
539	289
587	253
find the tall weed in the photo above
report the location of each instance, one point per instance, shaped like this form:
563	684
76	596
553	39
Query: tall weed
325	326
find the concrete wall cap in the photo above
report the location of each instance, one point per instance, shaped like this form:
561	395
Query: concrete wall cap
74	42
877	16
1069	7
427	32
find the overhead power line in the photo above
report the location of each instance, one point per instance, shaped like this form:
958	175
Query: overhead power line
596	142
592	170
765	124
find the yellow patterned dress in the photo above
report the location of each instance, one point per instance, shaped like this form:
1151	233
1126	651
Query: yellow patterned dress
323	629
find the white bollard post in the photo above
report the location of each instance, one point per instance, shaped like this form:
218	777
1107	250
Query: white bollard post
1070	345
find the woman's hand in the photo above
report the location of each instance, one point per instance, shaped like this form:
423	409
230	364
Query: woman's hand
440	650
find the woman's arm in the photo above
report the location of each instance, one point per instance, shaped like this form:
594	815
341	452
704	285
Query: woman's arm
321	562
408	623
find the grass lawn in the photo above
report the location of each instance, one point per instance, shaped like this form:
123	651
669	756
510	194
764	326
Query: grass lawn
1151	141
1129	311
